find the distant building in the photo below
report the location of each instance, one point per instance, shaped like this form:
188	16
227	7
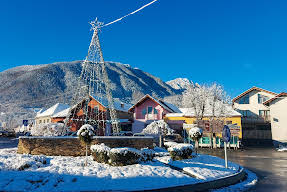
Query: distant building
211	126
46	116
256	125
278	113
149	109
97	115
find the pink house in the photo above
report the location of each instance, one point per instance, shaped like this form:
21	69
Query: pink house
149	109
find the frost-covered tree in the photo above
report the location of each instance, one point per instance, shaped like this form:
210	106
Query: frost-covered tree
85	134
195	133
158	128
207	100
48	129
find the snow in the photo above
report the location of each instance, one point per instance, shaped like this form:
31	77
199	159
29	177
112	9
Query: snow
179	83
69	174
53	110
204	167
250	181
195	132
49	129
119	106
157	127
125	150
180	147
100	148
86	131
63	173
63	113
282	148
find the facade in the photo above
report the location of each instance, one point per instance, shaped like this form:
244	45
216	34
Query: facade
278	114
97	115
255	115
212	127
149	109
45	116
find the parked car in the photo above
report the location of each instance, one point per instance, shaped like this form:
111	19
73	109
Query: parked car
139	135
4	133
174	138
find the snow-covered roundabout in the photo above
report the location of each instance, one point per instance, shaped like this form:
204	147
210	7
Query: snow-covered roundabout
22	172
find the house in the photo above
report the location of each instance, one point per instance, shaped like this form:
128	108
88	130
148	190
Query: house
278	113
149	109
45	116
95	112
256	127
212	126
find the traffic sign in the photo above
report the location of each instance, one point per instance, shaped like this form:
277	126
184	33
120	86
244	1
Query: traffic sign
226	135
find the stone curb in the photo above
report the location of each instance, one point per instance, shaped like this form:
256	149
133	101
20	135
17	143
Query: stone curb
208	185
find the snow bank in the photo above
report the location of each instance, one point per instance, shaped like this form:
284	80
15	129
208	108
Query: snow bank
100	148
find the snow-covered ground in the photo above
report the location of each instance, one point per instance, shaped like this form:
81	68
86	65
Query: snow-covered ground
55	173
203	167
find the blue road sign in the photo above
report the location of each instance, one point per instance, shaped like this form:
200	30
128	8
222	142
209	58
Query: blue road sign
25	123
226	135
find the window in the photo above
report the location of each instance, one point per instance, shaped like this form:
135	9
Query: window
44	121
244	100
245	113
228	122
40	121
155	111
96	109
275	120
264	113
144	112
262	98
149	110
47	120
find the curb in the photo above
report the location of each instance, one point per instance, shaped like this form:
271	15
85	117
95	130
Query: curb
208	185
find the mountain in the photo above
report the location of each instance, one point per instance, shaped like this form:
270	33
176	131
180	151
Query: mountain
179	83
35	86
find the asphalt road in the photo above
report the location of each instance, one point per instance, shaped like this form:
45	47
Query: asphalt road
269	165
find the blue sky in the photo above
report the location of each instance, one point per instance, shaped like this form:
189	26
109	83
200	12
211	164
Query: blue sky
239	44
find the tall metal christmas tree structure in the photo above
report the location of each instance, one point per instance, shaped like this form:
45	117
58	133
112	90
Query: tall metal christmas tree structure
94	82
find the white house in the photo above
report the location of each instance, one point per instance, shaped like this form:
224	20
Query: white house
256	127
46	115
278	113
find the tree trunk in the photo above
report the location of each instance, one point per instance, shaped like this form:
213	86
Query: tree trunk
86	162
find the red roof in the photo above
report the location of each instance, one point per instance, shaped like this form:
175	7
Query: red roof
250	90
274	98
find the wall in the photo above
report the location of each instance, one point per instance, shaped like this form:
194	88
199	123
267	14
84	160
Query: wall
71	146
278	110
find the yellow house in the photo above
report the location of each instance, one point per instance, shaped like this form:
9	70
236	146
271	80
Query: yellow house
187	117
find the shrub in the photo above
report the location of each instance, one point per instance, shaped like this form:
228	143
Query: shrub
124	156
169	144
100	153
147	154
180	151
86	133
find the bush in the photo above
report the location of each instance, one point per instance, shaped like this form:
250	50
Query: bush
86	133
100	153
124	156
180	151
170	144
147	154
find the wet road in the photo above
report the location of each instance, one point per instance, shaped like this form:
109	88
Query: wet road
269	165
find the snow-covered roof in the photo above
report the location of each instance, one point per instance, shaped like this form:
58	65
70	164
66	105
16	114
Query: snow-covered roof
63	113
119	106
164	104
53	110
191	113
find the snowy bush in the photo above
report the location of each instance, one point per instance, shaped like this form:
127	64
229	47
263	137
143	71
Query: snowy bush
170	144
195	133
180	151
49	129
124	156
157	128
148	154
86	133
100	153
